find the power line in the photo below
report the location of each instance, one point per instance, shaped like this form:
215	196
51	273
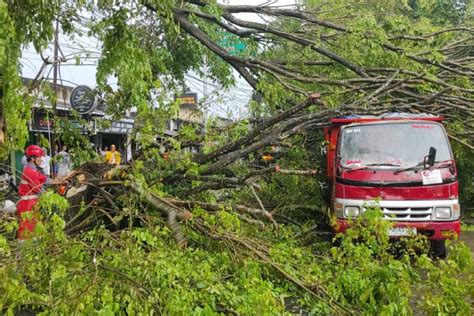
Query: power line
202	81
68	81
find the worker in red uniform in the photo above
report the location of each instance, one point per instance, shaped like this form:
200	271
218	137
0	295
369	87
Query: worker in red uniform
31	186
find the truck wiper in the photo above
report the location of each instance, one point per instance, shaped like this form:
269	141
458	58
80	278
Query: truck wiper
415	167
443	164
383	164
356	168
367	166
438	165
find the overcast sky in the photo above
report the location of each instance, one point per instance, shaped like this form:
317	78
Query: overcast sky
228	104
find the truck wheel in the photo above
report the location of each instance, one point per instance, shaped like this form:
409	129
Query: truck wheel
438	249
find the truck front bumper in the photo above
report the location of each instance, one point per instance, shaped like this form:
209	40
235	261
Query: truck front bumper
433	230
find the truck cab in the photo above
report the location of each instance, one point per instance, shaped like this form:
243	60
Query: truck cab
403	163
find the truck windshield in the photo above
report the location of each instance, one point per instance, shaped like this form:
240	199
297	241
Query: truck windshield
391	145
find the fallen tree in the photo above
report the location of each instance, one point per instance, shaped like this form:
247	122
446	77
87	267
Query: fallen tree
127	261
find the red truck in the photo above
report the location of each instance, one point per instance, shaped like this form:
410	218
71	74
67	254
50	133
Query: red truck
403	161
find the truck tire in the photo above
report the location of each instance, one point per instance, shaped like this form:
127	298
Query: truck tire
438	249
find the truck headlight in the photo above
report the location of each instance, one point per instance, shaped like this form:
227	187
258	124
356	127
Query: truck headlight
443	212
351	211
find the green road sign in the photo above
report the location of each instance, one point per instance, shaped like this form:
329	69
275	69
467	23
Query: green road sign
232	44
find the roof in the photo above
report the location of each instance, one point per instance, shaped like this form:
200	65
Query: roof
391	116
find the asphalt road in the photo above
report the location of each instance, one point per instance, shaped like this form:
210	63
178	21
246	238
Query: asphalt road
468	238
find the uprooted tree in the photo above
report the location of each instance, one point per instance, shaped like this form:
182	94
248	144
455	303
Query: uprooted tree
111	249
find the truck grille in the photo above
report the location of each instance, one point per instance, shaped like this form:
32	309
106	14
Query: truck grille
410	214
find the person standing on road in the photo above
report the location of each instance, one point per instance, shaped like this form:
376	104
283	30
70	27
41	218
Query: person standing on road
64	162
31	185
103	152
46	164
33	181
112	157
23	162
54	154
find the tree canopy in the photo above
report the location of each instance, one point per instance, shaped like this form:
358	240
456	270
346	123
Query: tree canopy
357	55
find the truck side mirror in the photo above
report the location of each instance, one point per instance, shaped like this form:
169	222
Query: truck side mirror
430	159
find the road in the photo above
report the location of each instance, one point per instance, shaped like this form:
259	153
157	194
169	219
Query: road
468	238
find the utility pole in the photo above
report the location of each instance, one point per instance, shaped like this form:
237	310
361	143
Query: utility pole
55	65
56	61
205	108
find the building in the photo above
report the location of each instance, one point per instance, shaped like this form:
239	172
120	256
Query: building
188	114
42	124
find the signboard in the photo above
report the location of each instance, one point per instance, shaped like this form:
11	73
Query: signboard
82	99
119	128
41	124
188	99
84	127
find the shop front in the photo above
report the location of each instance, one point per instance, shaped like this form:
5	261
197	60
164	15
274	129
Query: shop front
117	134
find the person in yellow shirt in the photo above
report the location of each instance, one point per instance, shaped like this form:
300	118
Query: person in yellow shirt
112	156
